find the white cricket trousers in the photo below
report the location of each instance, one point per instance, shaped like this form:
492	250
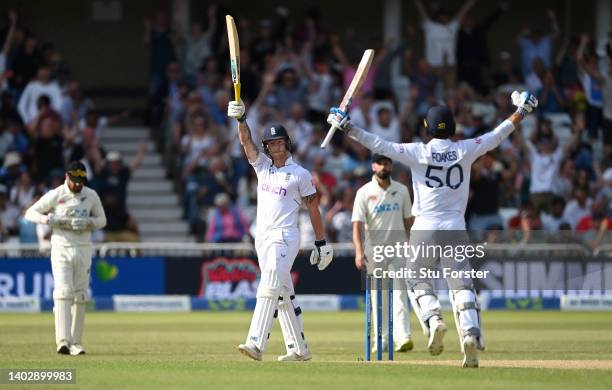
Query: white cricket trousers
71	269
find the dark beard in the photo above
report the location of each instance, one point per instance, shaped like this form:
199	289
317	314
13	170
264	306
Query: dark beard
383	175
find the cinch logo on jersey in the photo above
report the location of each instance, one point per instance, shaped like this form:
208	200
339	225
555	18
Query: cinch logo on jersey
381	208
444	157
279	190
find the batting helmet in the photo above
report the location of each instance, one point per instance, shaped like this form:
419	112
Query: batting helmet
440	122
275	132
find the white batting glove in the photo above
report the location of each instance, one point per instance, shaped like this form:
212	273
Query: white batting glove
236	110
57	221
524	101
322	255
339	119
80	224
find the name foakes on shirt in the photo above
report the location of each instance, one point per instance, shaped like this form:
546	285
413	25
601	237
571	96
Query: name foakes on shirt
444	157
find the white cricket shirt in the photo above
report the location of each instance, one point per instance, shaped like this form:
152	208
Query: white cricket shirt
62	202
280	192
381	209
440	168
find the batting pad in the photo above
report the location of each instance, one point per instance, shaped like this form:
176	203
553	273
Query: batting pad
291	326
467	315
426	305
63	320
78	318
267	302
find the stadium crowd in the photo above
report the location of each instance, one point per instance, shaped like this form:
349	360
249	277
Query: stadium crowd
46	122
552	175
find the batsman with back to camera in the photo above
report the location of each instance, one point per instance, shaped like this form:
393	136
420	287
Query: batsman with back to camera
440	180
72	210
282	187
381	215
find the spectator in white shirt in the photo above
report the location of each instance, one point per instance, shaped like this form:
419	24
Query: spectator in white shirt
42	85
545	158
441	35
577	208
552	222
385	123
298	127
562	183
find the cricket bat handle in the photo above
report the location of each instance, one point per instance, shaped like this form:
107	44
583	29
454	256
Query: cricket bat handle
328	137
237	91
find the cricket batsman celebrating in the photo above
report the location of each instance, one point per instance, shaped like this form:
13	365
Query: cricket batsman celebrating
72	210
282	187
440	180
381	212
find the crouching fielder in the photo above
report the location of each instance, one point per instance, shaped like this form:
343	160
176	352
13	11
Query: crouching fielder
72	211
282	187
440	180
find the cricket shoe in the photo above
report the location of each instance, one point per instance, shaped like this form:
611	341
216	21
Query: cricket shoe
250	350
77	349
406	346
470	351
63	348
294	357
437	330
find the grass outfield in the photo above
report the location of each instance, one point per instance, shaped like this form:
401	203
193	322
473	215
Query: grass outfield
526	350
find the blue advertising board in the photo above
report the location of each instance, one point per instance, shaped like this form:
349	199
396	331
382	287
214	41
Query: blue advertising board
24	277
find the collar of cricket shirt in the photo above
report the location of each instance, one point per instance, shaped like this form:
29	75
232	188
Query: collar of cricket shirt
378	185
440	140
288	162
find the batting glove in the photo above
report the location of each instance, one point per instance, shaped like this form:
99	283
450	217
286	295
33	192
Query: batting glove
322	255
57	221
236	110
80	224
524	101
339	119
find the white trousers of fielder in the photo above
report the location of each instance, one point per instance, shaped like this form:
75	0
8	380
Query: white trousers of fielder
71	268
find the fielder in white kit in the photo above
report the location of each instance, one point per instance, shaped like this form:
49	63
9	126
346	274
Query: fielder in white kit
72	210
440	180
381	213
282	187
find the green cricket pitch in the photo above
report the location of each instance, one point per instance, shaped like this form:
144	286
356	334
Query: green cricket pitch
526	350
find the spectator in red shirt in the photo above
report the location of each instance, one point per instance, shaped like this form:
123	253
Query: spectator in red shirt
596	227
595	220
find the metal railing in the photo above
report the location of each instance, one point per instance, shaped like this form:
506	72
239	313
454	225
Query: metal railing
139	249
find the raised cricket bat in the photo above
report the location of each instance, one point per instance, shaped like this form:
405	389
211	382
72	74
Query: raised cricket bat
358	79
234	47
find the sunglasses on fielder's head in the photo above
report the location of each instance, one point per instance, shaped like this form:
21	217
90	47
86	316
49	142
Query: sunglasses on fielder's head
77	172
77	176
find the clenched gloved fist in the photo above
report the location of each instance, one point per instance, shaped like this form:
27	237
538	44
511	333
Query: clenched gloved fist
339	119
236	110
80	224
54	220
322	255
524	101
